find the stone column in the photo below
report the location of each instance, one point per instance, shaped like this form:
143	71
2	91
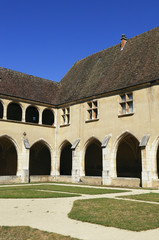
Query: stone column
23	112
56	170
106	173
75	166
53	164
75	161
40	115
25	160
146	176
5	105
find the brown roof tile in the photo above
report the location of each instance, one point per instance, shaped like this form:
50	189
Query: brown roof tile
26	86
113	69
102	72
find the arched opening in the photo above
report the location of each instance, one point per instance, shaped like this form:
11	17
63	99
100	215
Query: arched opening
8	157
93	159
47	117
14	112
1	110
32	115
158	161
66	160
128	158
39	159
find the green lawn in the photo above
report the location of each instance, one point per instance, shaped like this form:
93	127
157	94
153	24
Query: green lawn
78	190
122	214
22	192
30	191
27	233
152	197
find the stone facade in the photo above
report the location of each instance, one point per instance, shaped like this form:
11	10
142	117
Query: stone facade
110	139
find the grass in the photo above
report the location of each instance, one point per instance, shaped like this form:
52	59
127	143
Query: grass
78	190
134	216
60	191
27	233
19	192
152	197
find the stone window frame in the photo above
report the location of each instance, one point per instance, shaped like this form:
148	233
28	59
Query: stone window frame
92	111
126	104
65	116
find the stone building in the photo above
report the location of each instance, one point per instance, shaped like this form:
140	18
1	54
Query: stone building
98	125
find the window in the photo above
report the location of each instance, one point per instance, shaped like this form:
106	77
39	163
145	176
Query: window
65	115
32	115
14	112
92	111
126	104
47	117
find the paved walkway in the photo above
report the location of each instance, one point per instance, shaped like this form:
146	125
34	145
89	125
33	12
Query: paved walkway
51	215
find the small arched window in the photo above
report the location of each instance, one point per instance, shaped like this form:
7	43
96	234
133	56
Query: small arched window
32	115
47	117
14	112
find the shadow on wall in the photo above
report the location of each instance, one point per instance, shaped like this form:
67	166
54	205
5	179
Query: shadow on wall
8	157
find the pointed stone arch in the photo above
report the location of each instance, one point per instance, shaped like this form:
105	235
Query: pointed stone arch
66	158
93	157
40	158
155	158
128	156
8	156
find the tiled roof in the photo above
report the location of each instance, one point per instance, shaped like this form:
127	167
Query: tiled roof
113	69
26	86
102	72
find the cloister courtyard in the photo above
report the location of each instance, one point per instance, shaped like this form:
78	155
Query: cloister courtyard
81	211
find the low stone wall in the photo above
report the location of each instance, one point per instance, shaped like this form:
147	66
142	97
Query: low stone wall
155	183
41	178
126	182
10	179
91	180
67	179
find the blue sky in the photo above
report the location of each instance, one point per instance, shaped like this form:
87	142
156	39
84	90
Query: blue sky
46	37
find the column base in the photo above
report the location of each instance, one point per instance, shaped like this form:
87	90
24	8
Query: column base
25	176
75	176
146	179
106	179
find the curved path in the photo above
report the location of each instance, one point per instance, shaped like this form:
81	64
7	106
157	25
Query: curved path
51	215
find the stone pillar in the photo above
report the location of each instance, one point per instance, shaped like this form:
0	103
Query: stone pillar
56	170
75	161
25	161
40	115
106	173
146	176
23	113
75	165
5	110
53	165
